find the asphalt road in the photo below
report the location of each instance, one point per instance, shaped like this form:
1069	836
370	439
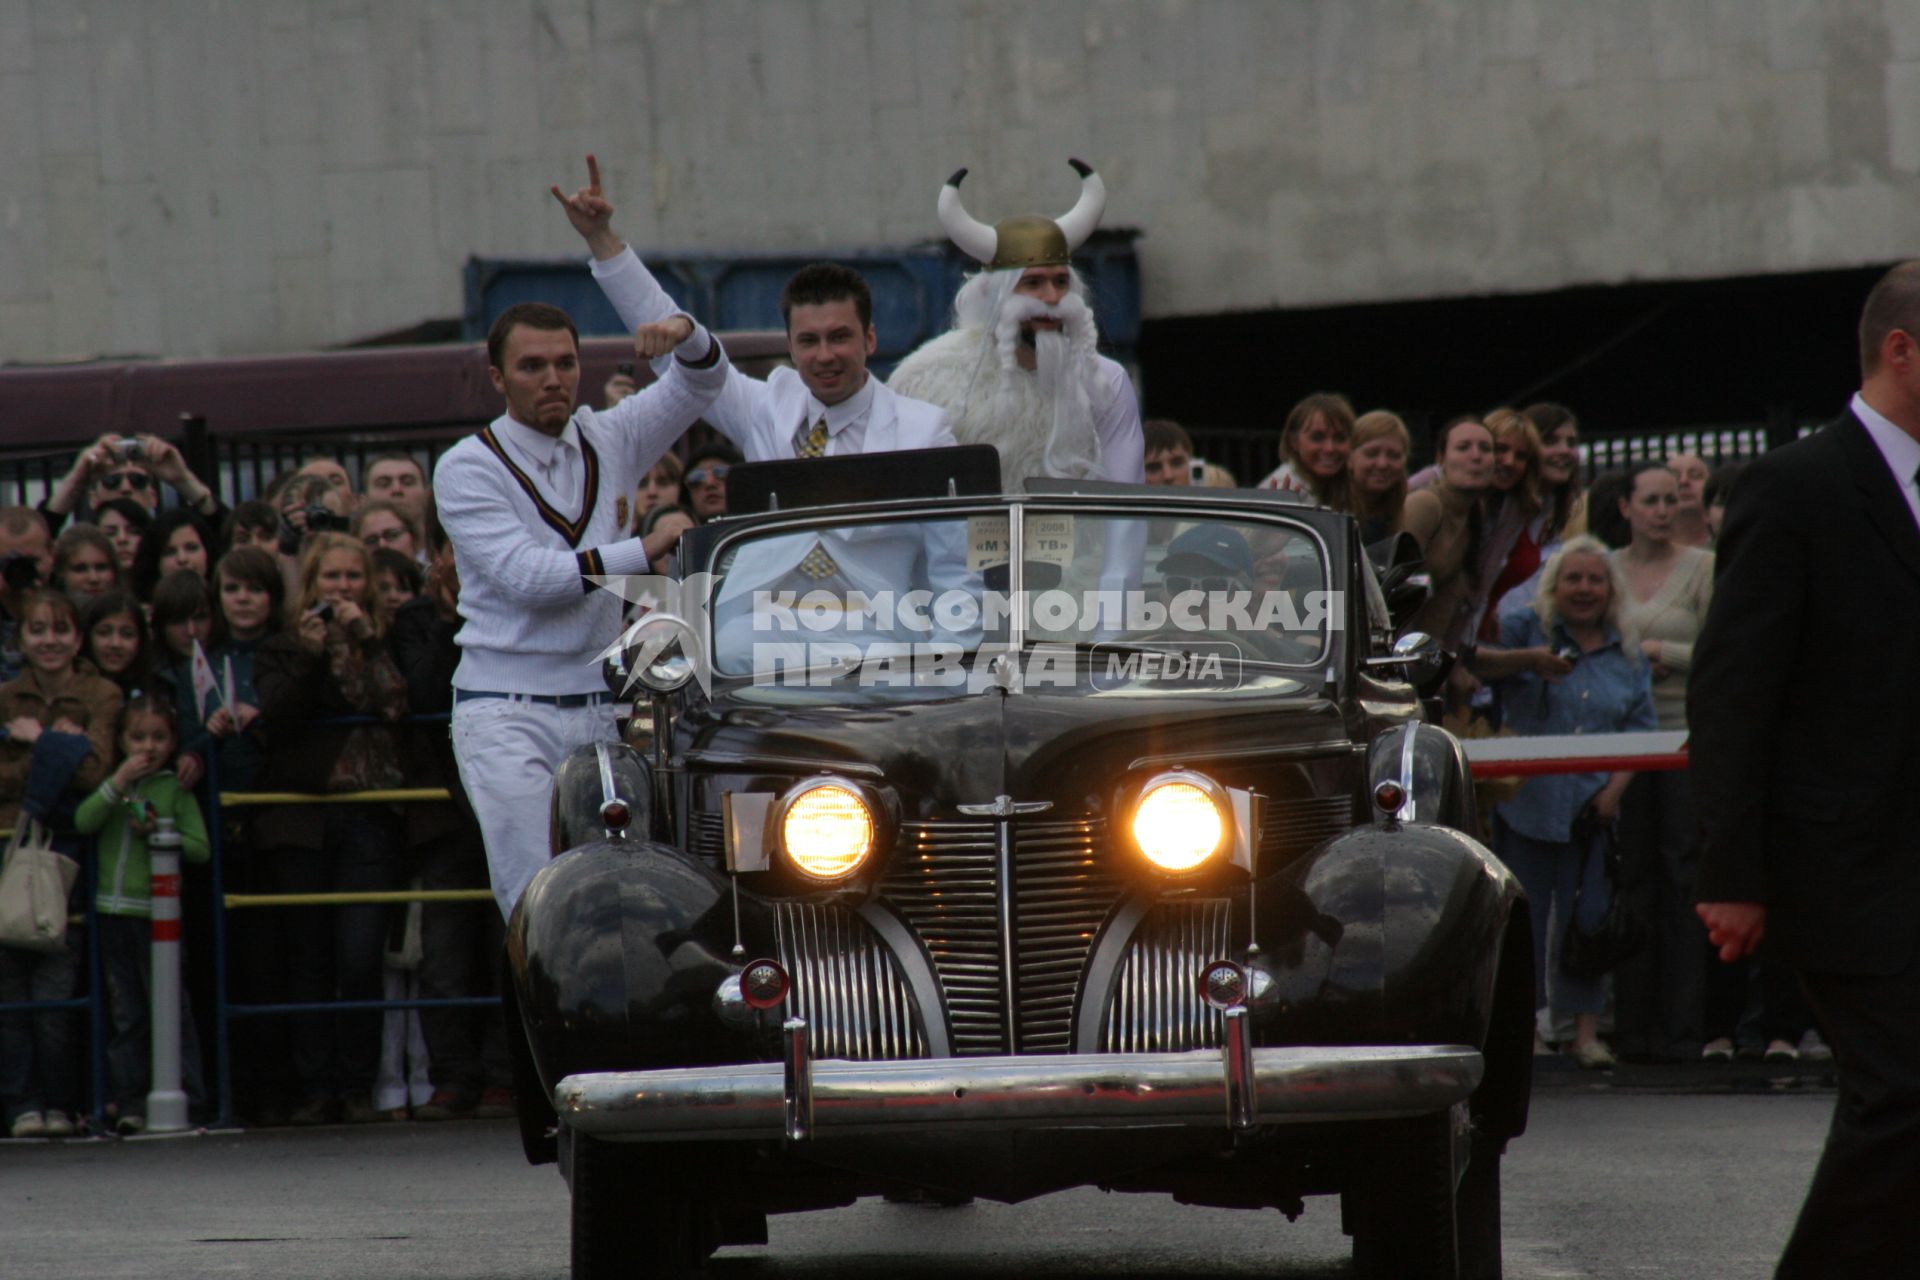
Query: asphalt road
1608	1183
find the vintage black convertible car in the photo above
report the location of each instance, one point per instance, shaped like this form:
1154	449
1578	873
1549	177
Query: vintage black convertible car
993	845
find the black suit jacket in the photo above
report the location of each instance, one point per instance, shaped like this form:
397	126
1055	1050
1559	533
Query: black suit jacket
1804	706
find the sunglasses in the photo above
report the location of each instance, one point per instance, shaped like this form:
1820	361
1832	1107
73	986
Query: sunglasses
135	480
1181	583
700	475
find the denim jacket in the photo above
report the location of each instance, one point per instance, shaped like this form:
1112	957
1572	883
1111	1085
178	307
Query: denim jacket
1609	691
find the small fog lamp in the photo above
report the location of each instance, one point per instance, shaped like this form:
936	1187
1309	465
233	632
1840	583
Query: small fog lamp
1389	797
1181	821
1223	984
763	984
827	829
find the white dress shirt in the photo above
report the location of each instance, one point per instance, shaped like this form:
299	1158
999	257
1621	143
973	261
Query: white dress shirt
1901	451
526	536
846	421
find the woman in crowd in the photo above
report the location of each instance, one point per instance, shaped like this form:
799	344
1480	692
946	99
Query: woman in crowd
1377	473
703	490
249	609
381	524
1511	555
125	522
1447	519
177	541
56	742
114	627
1314	445
1668	590
1563	499
1601	685
84	564
661	488
332	661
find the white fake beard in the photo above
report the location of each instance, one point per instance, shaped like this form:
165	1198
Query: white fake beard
1047	408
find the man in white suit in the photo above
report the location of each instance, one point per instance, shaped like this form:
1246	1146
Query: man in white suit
827	405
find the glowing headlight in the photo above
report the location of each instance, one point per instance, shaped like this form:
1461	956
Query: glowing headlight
827	830
1181	821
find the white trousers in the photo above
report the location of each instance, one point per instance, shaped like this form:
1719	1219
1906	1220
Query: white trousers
507	751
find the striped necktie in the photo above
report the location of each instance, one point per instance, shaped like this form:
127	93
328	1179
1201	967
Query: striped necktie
817	564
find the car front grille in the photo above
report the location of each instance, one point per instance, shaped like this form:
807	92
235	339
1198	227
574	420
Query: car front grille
846	985
1156	1000
944	882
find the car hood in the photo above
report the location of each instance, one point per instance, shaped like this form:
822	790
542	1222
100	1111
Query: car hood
1068	747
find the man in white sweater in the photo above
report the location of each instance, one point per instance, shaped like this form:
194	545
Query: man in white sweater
528	505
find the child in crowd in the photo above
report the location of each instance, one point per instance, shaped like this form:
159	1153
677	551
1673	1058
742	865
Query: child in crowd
114	627
183	617
123	812
57	720
399	578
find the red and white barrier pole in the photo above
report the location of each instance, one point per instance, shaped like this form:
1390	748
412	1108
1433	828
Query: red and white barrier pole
166	1101
1518	757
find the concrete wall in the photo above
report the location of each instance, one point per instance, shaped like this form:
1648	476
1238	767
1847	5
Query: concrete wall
188	177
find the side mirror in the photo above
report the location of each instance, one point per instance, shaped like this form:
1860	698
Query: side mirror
1417	658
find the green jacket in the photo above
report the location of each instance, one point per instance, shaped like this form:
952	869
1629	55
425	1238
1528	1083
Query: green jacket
125	874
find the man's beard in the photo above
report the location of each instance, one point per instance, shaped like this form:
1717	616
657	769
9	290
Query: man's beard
1069	448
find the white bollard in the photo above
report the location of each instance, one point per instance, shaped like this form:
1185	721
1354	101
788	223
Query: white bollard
166	1101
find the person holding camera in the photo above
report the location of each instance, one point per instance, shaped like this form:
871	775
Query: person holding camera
332	661
1566	666
134	468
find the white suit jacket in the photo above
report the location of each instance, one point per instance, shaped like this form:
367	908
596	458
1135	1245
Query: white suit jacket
761	418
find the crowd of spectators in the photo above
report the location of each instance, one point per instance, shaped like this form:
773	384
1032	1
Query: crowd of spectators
1573	608
322	618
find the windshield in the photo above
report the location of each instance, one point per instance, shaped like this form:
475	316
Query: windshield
1098	598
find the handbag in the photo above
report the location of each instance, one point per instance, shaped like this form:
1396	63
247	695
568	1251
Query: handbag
34	886
1621	932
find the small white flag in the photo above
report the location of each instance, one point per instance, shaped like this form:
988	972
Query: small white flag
203	679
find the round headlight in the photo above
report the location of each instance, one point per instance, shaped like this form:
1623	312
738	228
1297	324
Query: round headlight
1181	821
827	830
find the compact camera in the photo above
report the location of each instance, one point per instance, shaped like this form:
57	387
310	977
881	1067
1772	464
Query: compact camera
321	520
1568	653
324	611
129	450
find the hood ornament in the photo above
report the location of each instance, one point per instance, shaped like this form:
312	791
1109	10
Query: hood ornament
1005	807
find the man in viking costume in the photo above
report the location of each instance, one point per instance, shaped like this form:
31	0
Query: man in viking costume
1019	369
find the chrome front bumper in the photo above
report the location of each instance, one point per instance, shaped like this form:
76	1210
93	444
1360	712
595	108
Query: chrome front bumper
1089	1090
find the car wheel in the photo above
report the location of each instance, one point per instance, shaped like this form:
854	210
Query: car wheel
1477	1210
626	1223
1402	1209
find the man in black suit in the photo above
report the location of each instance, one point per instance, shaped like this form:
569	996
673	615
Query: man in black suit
1804	703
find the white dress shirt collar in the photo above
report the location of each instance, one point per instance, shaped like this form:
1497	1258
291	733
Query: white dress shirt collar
852	410
536	446
1901	451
